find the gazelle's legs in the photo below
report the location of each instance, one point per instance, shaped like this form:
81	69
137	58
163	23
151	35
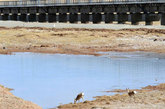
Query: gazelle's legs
83	99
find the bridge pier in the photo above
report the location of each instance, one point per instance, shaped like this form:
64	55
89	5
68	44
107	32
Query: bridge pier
14	14
84	17
13	17
163	19
6	12
62	17
5	17
73	17
73	14
51	17
32	17
23	17
122	18
52	14
148	19
97	17
135	18
96	14
109	17
42	17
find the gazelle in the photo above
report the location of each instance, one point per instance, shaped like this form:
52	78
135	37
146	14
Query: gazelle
79	96
131	93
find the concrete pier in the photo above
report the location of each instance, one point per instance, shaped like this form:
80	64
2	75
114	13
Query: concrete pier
62	17
42	18
148	19
32	18
163	19
73	17
136	18
23	17
5	17
13	17
84	17
97	17
52	18
109	17
122	18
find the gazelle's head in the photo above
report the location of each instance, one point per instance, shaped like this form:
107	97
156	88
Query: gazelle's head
82	93
127	89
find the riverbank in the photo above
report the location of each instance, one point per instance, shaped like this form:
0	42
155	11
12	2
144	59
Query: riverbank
150	97
9	101
80	41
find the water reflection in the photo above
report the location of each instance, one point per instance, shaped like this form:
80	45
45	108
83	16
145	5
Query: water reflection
49	80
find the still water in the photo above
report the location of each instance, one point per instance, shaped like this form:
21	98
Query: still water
52	79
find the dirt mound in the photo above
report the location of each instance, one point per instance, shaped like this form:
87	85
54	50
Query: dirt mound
9	101
158	87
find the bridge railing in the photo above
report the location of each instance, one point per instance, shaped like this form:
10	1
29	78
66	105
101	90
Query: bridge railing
71	2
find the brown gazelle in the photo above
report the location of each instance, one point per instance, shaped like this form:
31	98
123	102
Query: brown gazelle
79	96
131	93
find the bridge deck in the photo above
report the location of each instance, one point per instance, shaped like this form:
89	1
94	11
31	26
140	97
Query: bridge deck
42	3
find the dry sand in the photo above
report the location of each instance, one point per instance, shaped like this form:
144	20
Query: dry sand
80	41
9	101
150	97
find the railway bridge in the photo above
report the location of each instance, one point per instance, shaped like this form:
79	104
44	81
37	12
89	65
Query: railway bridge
84	11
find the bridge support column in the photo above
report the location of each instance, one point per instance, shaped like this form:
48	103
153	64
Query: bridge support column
5	17
135	18
62	17
122	18
148	19
97	17
151	17
51	17
163	19
84	17
13	17
109	17
23	17
42	17
73	17
32	17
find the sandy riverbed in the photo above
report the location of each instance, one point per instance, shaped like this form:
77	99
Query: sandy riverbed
150	97
80	41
